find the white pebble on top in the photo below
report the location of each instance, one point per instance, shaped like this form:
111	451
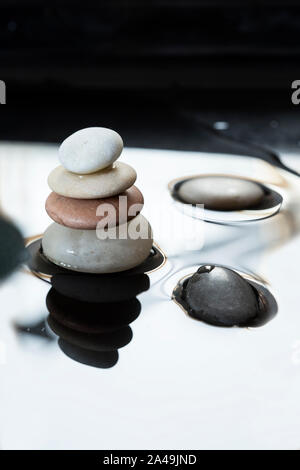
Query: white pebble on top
90	150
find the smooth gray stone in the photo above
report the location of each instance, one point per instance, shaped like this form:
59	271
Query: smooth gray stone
221	192
220	296
88	251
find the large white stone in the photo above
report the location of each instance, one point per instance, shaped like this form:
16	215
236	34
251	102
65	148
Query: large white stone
221	192
83	251
105	183
89	150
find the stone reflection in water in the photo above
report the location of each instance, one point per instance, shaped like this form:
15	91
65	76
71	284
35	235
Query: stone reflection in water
100	288
92	328
91	313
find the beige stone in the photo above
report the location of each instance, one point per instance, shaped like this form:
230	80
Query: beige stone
221	192
105	183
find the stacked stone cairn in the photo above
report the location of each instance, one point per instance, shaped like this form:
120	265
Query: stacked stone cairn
95	207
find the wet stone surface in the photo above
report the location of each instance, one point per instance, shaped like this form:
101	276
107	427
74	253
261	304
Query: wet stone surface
222	193
220	296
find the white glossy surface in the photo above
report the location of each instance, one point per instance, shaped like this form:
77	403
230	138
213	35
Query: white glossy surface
183	383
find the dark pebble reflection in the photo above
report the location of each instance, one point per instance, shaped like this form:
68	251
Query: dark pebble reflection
91	313
92	321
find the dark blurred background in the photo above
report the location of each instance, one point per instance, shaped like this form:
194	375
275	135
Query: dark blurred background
156	71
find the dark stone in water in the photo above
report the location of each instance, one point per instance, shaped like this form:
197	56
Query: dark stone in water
220	296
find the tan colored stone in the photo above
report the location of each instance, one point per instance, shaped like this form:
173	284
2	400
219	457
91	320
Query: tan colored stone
105	183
